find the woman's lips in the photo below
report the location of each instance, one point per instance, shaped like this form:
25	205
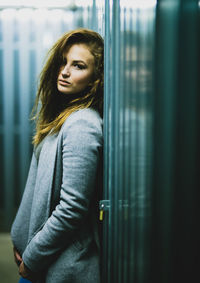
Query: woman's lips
64	83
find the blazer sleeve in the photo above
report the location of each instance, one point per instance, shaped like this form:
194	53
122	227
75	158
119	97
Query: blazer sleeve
82	140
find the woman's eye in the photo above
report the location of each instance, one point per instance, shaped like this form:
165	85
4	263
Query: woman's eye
79	66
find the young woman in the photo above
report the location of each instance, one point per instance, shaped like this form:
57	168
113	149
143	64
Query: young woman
55	232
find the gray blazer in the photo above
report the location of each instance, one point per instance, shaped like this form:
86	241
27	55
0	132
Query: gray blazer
55	228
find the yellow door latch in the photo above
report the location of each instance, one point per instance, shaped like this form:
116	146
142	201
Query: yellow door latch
104	205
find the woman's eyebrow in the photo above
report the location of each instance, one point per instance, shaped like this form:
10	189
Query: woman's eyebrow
79	61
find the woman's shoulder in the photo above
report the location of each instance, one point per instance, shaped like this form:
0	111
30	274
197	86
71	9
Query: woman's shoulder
86	114
87	117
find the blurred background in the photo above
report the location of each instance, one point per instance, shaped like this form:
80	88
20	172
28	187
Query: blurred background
151	128
27	31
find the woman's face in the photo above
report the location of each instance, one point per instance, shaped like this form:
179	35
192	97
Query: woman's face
77	70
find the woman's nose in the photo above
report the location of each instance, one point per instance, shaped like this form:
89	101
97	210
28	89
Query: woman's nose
65	71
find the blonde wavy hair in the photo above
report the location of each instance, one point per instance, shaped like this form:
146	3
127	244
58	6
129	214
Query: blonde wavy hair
52	112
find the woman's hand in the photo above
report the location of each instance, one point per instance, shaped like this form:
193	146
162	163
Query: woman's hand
17	256
26	273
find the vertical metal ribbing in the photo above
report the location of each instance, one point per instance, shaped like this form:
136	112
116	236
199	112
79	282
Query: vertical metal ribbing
115	113
125	152
106	253
25	96
165	92
8	117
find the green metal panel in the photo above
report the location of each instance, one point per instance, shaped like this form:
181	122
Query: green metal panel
151	130
176	148
129	39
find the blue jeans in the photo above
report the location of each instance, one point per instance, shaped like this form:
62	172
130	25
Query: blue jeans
22	280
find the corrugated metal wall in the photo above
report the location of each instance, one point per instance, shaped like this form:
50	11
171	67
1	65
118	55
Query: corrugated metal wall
151	126
129	53
25	36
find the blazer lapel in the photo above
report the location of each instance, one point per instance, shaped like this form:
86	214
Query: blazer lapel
43	187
